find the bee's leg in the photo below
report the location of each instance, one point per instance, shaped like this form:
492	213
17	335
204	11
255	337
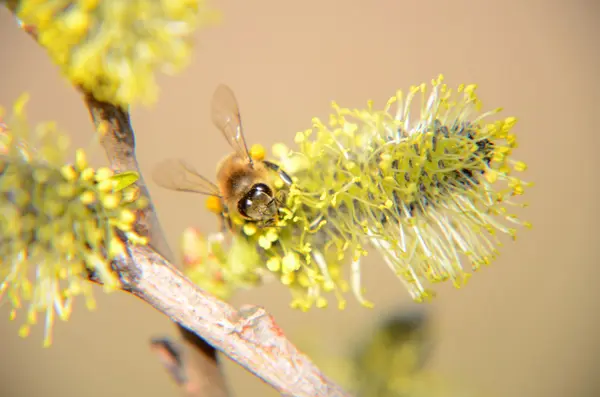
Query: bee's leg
265	223
225	220
227	225
279	200
282	174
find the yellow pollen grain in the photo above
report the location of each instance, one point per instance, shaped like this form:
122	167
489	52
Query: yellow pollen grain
321	302
274	264
68	173
110	201
250	229
88	197
104	173
520	166
80	159
214	204
257	152
288	278
290	262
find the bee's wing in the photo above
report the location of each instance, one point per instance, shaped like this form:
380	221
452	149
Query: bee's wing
176	174
226	116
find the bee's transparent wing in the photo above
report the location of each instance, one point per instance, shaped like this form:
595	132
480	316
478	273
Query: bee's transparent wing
225	115
176	174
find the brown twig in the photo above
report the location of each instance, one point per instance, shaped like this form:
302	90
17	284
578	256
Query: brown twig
118	140
192	381
169	353
197	370
249	336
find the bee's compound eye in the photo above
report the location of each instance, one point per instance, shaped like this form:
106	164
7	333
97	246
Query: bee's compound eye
244	205
251	204
259	189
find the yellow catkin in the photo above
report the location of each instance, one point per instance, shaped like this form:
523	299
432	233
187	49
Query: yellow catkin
427	181
101	46
64	223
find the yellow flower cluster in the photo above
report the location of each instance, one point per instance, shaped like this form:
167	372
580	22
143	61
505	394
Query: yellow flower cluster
113	48
429	185
60	223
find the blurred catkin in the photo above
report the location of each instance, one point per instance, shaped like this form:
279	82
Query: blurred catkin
206	260
59	223
112	48
388	359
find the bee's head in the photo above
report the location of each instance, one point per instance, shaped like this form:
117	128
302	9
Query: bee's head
258	203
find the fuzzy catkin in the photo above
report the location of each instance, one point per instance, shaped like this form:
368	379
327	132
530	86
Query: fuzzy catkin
114	49
429	186
59	222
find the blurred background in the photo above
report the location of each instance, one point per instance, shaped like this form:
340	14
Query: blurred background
526	326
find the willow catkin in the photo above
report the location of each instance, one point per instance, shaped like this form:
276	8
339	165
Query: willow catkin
429	186
114	49
59	222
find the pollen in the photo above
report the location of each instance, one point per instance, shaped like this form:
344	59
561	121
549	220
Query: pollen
290	262
214	204
274	264
258	152
250	229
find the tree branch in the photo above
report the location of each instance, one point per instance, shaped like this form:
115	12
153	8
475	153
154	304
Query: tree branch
197	377
118	139
197	369
249	336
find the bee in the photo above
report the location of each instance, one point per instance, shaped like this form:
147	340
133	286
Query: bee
243	182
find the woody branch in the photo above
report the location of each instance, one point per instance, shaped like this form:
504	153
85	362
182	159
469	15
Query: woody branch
193	364
249	336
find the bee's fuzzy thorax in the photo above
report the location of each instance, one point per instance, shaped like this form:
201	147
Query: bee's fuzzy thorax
428	185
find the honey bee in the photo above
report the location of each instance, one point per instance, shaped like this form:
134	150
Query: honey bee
243	183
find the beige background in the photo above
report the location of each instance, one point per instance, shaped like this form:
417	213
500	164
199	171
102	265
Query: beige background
524	327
